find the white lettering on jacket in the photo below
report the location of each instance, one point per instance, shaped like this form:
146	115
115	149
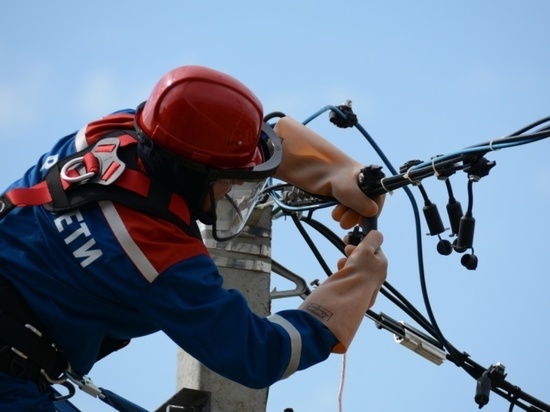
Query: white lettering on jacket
49	162
73	223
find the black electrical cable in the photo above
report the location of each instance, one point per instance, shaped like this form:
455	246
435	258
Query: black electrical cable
500	386
470	207
412	311
456	358
531	126
450	192
326	232
273	115
437	331
439	335
461	360
387	289
311	244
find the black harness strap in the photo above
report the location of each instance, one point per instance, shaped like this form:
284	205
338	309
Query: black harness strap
25	349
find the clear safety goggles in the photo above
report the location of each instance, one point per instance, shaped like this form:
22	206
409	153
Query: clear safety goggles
244	188
235	207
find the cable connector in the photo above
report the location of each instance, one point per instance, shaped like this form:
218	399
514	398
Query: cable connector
370	178
412	338
349	119
417	343
85	384
494	374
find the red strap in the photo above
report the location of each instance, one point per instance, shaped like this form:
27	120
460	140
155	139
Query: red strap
126	139
177	206
113	167
134	181
131	180
30	196
91	163
139	183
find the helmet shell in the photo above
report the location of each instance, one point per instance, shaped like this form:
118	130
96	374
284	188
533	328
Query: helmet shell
205	116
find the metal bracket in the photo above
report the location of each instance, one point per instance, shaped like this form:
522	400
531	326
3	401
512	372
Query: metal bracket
301	288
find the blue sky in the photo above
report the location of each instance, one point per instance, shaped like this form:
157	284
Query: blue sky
425	78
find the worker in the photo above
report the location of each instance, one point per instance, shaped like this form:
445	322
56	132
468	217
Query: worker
99	242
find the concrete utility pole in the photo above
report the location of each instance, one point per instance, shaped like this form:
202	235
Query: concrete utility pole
245	264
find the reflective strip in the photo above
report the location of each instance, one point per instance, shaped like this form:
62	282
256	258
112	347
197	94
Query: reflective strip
117	226
132	250
80	140
295	344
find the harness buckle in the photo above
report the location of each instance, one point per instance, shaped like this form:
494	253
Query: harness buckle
101	165
74	167
85	384
54	381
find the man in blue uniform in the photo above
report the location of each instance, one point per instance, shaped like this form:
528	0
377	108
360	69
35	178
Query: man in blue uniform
98	241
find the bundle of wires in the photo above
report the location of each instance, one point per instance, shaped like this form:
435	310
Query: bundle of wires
300	206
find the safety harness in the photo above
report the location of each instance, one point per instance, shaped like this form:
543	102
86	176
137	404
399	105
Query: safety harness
106	170
102	172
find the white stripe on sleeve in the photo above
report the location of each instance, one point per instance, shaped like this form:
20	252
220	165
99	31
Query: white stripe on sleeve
295	343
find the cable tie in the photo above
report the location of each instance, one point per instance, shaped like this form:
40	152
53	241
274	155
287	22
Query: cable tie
491	144
436	173
406	176
384	187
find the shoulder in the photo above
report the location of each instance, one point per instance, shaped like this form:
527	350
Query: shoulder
89	134
153	244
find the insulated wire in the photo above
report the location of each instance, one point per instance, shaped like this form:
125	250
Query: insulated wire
387	290
439	335
420	254
512	140
460	359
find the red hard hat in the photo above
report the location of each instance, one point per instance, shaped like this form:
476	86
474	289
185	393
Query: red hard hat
205	116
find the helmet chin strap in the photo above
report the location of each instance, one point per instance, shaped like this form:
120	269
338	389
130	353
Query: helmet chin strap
208	217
